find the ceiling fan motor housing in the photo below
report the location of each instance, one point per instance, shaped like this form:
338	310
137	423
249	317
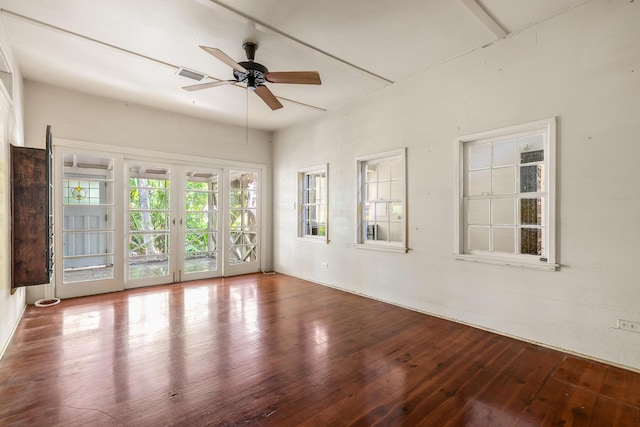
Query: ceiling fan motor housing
254	77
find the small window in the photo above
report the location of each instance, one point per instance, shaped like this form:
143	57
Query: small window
505	210
382	201
312	212
81	189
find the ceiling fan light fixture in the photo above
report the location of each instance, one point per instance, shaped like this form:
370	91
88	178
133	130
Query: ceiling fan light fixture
191	74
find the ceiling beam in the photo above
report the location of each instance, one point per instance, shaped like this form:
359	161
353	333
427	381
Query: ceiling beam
484	18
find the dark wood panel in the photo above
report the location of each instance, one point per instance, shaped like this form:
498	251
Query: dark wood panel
275	350
29	217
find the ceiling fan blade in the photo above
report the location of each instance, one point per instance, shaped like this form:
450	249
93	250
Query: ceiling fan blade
295	77
224	58
208	85
268	97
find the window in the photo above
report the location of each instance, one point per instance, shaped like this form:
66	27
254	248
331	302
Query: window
312	213
382	201
505	210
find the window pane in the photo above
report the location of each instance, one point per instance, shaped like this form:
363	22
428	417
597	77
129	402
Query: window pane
310	213
479	212
532	179
396	212
197	220
383	231
396	190
371	232
532	156
310	181
384	190
479	156
531	211
370	171
504	153
198	243
311	196
198	200
380	211
307	228
235	199
372	191
531	148
149	221
383	170
396	169
242	254
478	238
504	180
531	241
86	244
395	233
503	212
504	240
97	270
243	180
479	183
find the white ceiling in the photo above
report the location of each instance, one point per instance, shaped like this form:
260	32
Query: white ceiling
130	49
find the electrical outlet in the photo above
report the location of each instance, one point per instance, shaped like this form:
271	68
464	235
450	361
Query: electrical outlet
324	265
629	325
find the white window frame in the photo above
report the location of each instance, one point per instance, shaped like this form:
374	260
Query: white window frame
302	179
548	260
361	242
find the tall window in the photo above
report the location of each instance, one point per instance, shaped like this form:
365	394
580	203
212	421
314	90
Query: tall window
506	208
382	201
312	213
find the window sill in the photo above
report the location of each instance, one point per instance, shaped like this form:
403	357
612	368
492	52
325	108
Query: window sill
310	239
384	248
533	265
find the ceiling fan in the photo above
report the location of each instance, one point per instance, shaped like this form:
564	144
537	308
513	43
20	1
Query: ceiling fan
255	75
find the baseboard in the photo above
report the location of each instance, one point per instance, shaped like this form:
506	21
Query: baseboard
5	345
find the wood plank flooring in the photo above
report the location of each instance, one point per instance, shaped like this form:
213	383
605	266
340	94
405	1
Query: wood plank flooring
272	350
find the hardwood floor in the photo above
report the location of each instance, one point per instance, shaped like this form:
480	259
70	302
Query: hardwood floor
278	351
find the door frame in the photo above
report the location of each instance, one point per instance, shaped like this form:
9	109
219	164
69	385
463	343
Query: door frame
182	223
243	268
92	287
120	153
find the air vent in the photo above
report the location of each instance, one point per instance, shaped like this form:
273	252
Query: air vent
191	74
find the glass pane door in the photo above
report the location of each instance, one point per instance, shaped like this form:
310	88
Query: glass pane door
199	225
149	226
87	247
243	223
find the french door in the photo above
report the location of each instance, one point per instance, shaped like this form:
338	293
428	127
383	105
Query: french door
130	223
87	199
242	230
173	223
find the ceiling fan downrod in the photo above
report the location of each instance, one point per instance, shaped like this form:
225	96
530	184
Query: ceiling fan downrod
250	49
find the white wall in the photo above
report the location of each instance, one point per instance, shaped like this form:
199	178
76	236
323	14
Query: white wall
584	68
11	306
86	118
